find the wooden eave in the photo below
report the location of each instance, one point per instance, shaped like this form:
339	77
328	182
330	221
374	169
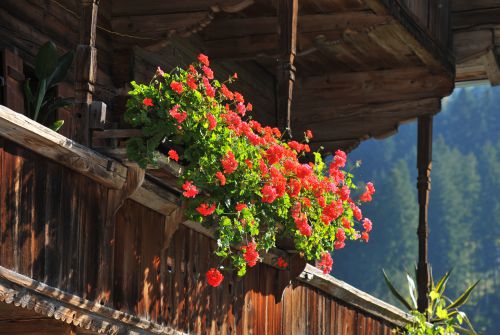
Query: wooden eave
476	40
367	54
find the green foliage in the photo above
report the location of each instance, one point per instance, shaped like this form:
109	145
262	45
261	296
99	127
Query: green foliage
50	70
442	316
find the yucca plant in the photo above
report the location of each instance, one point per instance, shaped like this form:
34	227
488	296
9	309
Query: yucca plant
443	315
50	70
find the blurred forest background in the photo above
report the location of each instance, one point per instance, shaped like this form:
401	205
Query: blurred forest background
464	212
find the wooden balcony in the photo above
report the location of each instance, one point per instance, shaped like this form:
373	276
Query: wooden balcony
74	260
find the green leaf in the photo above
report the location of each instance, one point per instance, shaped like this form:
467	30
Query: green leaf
463	298
412	289
30	99
441	313
441	285
434	295
57	125
42	90
395	292
61	70
59	103
46	61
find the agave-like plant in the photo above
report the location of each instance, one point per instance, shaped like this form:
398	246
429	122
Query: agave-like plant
442	312
50	70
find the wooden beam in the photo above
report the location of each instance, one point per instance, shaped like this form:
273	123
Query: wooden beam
354	297
476	18
159	25
257	37
465	5
106	171
338	89
134	7
424	165
471	44
225	28
285	78
490	61
361	121
85	70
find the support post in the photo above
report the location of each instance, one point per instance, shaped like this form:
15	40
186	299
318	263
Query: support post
85	70
287	19
424	165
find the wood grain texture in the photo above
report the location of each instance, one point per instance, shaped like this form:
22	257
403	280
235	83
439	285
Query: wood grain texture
55	230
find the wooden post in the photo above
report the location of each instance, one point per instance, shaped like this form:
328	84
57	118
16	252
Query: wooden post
85	70
287	19
424	165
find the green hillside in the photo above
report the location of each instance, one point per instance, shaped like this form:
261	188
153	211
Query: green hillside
464	205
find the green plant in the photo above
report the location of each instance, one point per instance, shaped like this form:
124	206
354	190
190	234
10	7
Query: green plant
443	316
242	178
50	70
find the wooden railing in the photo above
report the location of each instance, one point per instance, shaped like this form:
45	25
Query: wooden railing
65	246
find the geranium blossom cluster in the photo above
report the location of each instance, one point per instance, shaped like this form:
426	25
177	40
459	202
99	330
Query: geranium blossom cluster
241	177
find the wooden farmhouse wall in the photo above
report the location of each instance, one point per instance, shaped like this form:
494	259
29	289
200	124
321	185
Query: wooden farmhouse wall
53	229
26	25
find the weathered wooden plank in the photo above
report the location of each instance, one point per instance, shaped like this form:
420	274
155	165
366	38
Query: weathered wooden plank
360	300
492	67
471	44
42	140
476	18
374	86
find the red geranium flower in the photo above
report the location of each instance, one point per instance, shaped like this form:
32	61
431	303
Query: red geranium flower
214	277
190	190
326	263
340	235
221	177
204	59
340	158
212	122
367	224
208	72
281	263
238	97
365	236
240	207
346	223
191	82
268	194
177	87
206	210
179	116
250	254
173	155
249	163
148	102
229	163
309	134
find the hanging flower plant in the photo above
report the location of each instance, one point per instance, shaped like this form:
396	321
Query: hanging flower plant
243	178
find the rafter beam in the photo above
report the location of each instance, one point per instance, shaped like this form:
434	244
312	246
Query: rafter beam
368	87
285	78
360	121
252	37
